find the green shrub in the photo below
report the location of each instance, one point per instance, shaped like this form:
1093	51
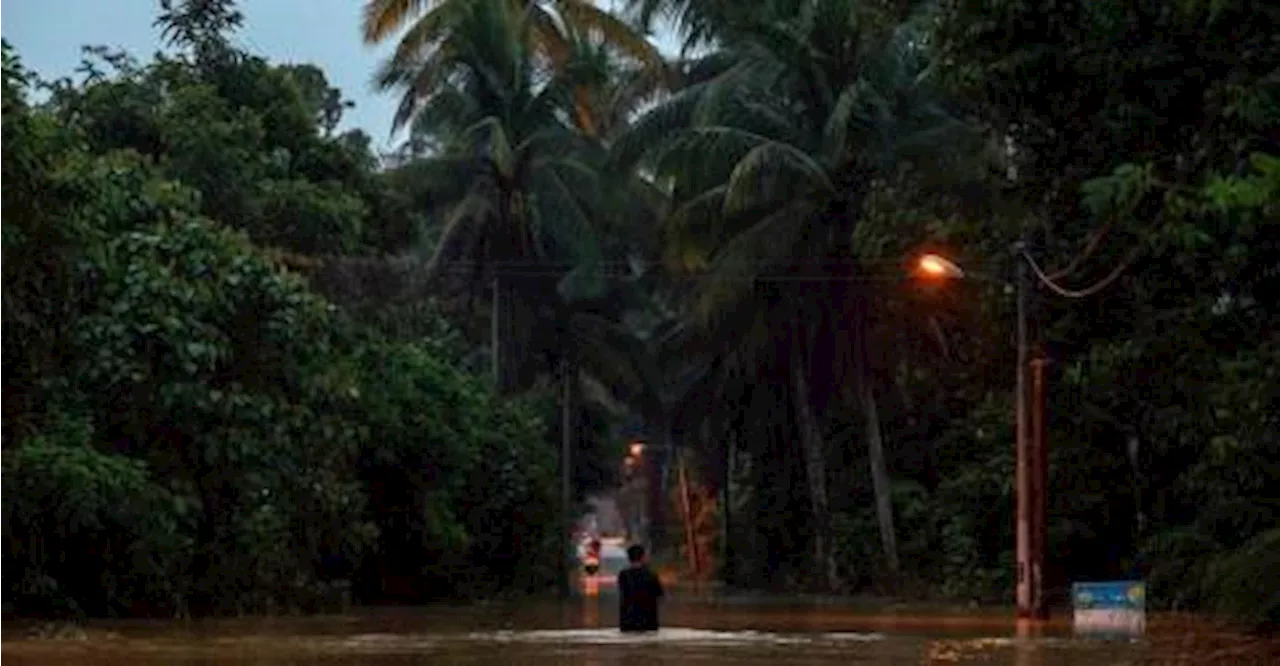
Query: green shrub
90	532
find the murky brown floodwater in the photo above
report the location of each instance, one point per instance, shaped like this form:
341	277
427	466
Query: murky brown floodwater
581	632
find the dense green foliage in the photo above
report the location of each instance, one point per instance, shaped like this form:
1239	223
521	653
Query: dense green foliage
1146	134
714	246
1137	151
188	426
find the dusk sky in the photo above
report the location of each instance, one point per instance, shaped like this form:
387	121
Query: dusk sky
48	35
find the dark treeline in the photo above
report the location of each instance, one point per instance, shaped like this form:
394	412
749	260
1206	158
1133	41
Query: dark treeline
247	359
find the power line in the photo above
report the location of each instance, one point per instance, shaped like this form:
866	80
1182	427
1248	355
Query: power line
689	276
1087	291
681	276
718	265
865	271
742	278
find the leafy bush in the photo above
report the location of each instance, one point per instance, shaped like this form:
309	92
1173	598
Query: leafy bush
232	427
463	488
195	353
87	532
1233	580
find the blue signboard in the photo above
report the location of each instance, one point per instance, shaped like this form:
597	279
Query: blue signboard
1110	607
1110	595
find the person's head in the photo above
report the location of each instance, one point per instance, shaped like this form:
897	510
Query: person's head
635	554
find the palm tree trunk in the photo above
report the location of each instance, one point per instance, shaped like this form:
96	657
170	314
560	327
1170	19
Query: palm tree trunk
687	511
567	377
815	465
503	331
657	498
495	331
727	497
879	470
507	319
866	398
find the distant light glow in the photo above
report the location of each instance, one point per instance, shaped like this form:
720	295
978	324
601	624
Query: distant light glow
637	448
935	266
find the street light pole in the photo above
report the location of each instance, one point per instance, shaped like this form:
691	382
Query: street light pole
1022	525
1038	485
1031	461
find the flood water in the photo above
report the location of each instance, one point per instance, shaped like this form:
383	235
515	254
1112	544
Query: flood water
581	632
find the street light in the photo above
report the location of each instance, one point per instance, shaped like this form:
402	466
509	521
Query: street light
935	266
1032	461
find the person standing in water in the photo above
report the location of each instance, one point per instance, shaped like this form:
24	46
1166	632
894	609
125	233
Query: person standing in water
638	593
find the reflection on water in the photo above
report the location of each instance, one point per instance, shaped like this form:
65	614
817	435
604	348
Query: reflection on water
582	633
669	636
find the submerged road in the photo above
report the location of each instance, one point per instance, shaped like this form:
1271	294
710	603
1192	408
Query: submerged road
707	631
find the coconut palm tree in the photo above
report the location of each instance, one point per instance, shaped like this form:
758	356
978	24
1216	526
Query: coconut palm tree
511	181
699	23
515	167
428	19
556	31
523	197
770	152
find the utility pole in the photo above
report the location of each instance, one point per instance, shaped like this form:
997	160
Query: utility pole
1031	471
566	469
1030	558
1022	526
1039	483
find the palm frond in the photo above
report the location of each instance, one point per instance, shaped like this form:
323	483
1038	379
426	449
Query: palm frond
835	135
648	134
700	209
442	180
430	28
720	91
707	66
417	82
689	231
771	172
383	17
768	245
551	41
462	230
584	14
489	131
443	115
574	228
703	157
697	22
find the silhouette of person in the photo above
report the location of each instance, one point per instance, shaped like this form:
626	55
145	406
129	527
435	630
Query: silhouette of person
638	593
